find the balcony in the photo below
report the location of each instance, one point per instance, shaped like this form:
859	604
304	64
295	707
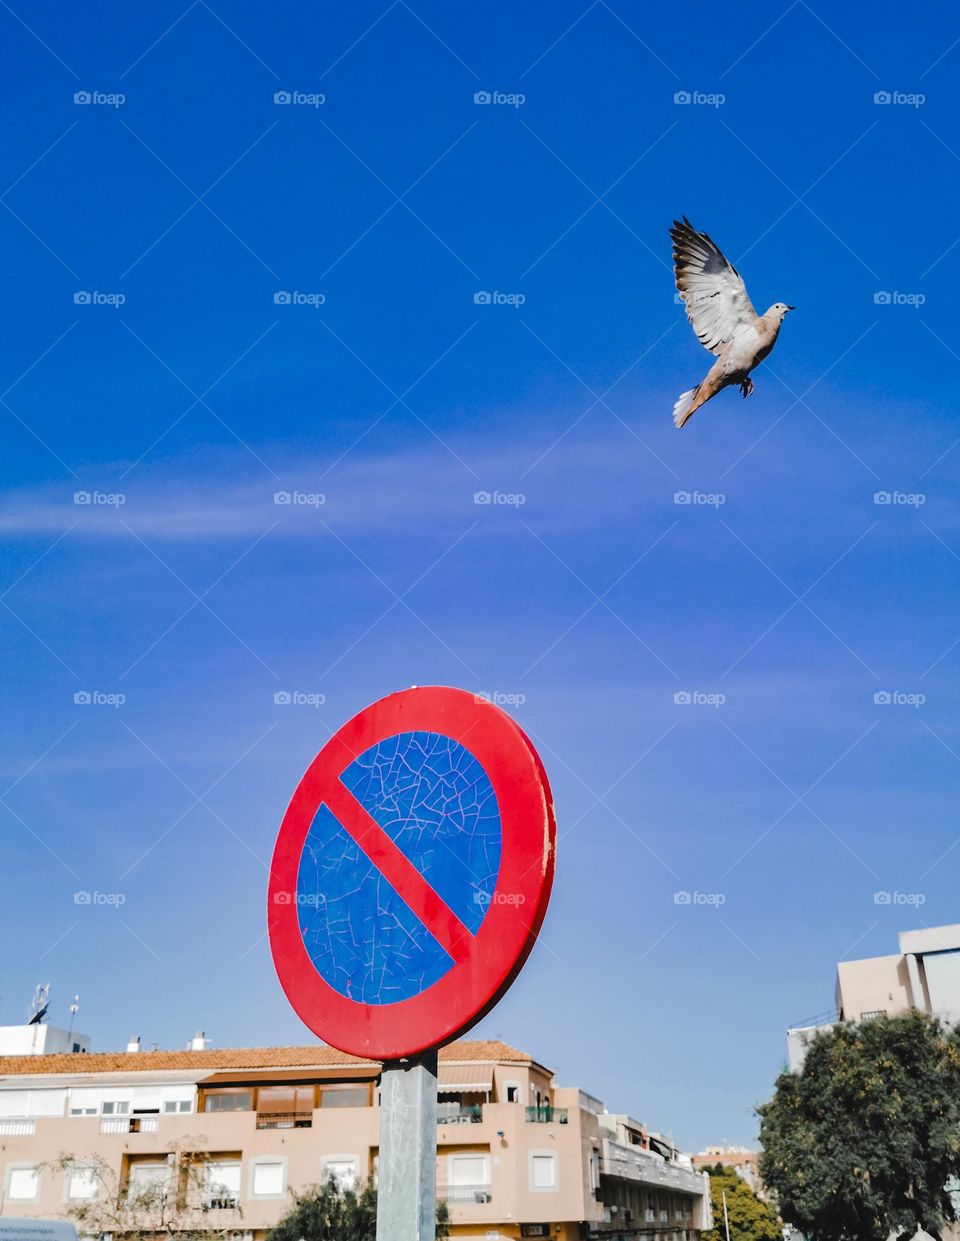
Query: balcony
465	1193
129	1124
546	1115
17	1128
631	1163
223	1200
284	1120
459	1114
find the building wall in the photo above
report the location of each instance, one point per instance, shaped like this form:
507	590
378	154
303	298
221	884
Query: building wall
40	1040
875	985
539	1160
925	975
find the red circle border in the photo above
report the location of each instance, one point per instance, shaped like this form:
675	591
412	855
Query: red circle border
472	986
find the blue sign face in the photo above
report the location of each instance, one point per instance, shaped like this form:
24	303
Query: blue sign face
435	802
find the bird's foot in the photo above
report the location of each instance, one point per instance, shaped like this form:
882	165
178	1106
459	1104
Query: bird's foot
746	387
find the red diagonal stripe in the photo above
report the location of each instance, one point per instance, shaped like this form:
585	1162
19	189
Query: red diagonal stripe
435	914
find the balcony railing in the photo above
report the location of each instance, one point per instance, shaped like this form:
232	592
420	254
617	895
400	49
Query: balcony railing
17	1128
457	1114
284	1120
465	1193
129	1124
222	1200
546	1115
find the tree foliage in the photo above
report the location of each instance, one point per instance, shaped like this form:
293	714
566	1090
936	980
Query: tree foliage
751	1219
330	1213
865	1141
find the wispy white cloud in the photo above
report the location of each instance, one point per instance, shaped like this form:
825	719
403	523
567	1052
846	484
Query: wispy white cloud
219	496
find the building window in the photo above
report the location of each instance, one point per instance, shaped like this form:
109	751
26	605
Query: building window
345	1096
148	1181
543	1170
343	1169
227	1101
513	1092
285	1107
267	1178
172	1106
468	1178
23	1184
82	1183
221	1184
115	1107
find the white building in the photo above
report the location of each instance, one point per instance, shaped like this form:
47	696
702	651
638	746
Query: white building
40	1040
924	974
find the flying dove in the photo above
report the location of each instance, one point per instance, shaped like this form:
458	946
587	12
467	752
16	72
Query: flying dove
717	305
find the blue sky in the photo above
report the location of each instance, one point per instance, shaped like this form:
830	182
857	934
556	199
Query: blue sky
784	587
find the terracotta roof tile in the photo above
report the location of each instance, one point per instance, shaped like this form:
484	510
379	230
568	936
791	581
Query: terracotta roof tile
210	1060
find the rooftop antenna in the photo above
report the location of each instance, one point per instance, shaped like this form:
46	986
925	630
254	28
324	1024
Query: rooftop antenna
41	1002
73	1012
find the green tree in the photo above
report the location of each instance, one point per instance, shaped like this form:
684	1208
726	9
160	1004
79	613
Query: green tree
865	1141
751	1219
328	1213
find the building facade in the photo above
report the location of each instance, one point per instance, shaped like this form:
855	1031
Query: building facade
924	974
517	1154
742	1160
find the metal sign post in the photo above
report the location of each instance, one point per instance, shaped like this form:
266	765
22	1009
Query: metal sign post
410	878
407	1193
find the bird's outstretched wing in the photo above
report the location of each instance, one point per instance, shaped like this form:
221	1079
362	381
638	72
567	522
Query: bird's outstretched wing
713	292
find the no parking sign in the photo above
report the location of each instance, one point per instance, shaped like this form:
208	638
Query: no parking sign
411	873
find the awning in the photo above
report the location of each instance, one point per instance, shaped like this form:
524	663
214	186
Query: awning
466	1077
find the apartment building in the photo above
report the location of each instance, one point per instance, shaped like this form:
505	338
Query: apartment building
517	1154
740	1159
924	974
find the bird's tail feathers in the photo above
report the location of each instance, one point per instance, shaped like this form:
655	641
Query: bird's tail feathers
684	406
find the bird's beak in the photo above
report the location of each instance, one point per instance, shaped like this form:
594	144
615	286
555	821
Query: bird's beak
791	308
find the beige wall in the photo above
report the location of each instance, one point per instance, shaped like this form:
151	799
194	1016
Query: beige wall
334	1132
507	1136
877	984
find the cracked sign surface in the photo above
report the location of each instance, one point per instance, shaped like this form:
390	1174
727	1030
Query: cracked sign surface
436	804
411	873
